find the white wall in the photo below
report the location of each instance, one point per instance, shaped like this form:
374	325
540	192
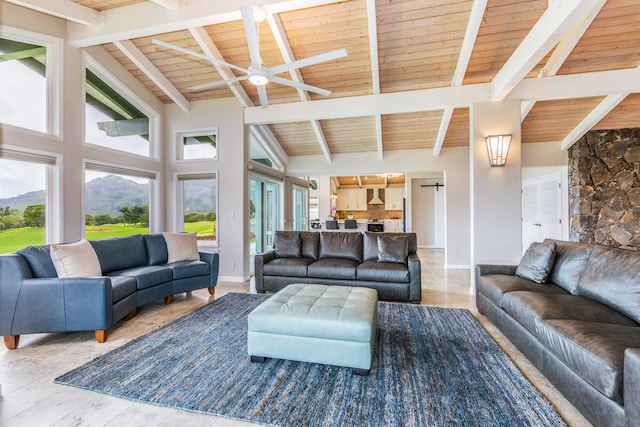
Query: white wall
233	177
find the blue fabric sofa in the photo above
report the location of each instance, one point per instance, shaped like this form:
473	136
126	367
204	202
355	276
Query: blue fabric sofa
135	272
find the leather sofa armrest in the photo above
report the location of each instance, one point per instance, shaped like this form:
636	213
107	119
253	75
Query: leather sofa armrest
415	278
484	269
213	259
259	261
63	304
13	270
631	386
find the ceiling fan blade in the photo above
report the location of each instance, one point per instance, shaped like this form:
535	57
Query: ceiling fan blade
323	57
251	33
262	93
217	83
199	55
302	86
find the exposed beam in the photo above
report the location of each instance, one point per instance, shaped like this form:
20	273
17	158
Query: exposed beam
287	54
146	66
124	23
375	69
210	49
469	41
126	127
65	9
359	181
560	17
592	119
563	50
170	4
379	146
268	142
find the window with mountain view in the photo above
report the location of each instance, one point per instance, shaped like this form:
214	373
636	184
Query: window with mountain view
198	145
199	195
23	84
112	120
116	204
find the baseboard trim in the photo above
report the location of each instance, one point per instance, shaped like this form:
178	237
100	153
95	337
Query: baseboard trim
457	267
234	279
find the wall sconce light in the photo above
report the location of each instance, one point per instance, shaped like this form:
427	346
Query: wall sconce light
498	147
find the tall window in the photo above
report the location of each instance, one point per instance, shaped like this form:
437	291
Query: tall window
23	84
199	194
116	201
112	120
25	190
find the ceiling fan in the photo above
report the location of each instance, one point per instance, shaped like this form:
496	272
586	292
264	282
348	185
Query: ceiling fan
257	73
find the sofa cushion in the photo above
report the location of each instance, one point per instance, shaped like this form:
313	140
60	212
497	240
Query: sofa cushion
393	249
119	253
156	247
570	262
594	351
346	245
296	267
495	286
529	307
288	245
333	268
537	261
184	269
75	259
122	287
310	244
147	276
612	277
39	259
181	247
376	271
370	243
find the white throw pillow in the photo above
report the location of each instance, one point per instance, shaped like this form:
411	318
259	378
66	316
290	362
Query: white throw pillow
75	260
182	246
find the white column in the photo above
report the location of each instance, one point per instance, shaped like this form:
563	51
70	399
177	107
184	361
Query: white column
496	235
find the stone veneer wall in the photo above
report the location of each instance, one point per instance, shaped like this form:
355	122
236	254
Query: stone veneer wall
604	188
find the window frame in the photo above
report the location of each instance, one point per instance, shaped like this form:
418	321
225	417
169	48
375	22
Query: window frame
54	77
178	156
178	179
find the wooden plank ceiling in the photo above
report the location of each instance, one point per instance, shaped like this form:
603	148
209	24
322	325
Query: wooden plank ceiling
417	43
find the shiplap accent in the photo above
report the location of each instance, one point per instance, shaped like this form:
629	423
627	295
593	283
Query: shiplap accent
626	112
410	131
65	9
458	132
351	135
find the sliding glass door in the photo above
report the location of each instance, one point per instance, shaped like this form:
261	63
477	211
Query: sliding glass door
300	208
264	215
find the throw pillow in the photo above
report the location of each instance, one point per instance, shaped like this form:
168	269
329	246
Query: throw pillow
393	249
537	261
39	259
181	247
287	245
75	260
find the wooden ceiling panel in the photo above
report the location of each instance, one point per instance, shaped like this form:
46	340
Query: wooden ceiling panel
419	42
625	115
297	139
551	121
504	25
610	43
353	135
410	131
458	132
369	180
101	5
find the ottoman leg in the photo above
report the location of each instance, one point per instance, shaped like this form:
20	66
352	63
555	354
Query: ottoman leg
362	372
258	359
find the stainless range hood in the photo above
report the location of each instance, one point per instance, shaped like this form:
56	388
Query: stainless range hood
376	198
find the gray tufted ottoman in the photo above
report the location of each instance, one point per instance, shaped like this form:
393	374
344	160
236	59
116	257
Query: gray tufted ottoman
333	325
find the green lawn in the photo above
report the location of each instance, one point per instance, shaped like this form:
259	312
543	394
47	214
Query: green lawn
18	238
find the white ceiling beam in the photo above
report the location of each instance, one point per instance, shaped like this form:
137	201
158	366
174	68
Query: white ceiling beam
210	49
379	146
146	66
65	9
359	181
563	50
592	119
170	4
469	41
561	16
125	23
269	144
599	83
287	54
372	25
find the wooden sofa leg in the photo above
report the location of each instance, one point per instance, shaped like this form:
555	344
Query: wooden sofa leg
101	335
132	314
11	341
212	290
168	300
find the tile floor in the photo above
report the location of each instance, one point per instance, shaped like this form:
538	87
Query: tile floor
30	398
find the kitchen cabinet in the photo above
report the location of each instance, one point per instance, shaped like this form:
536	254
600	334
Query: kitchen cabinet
393	225
351	199
393	198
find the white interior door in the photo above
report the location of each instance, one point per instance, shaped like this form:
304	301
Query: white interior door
541	209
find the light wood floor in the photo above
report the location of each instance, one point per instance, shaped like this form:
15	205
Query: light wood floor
30	398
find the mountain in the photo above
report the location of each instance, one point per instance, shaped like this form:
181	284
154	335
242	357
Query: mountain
23	200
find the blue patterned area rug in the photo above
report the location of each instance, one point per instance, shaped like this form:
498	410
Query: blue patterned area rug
433	367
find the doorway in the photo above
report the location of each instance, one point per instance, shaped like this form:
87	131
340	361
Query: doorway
264	215
300	208
541	209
